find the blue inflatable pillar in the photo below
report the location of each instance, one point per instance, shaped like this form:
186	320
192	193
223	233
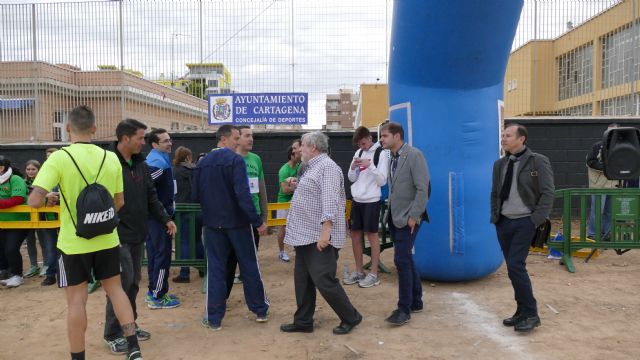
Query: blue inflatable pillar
448	60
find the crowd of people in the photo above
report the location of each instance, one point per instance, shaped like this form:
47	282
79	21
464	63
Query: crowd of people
115	203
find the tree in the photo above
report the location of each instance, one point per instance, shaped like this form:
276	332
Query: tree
196	88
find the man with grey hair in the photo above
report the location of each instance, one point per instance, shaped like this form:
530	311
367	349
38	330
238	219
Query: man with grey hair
316	228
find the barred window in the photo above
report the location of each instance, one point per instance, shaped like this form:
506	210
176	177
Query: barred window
580	110
575	72
617	56
623	105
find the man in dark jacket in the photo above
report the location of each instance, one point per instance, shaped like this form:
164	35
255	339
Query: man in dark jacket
522	195
141	201
221	186
159	244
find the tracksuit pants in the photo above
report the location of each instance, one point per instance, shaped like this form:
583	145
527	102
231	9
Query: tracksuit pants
159	258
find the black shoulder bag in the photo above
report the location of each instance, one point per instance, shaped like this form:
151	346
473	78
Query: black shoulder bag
543	232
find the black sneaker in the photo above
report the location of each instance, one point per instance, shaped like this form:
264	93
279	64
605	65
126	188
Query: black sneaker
117	345
4	274
142	335
49	280
398	317
134	354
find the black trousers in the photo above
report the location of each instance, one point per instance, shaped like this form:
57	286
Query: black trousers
130	273
317	269
515	237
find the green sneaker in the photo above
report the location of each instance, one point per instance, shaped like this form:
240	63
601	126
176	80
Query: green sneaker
93	286
33	271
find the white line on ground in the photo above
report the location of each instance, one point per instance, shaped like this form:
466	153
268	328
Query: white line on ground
489	325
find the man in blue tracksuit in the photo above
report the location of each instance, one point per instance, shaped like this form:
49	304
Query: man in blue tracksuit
221	186
158	241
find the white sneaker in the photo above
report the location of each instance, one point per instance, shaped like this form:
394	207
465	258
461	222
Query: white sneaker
14	281
352	278
237	279
43	272
369	281
283	256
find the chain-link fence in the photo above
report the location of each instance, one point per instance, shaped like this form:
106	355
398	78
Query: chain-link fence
157	60
575	58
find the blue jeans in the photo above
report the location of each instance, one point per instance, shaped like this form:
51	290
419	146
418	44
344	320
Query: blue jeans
185	230
409	282
515	237
605	210
49	237
219	243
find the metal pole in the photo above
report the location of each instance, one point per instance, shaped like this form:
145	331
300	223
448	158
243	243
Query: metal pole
34	59
293	71
121	31
634	61
535	60
201	60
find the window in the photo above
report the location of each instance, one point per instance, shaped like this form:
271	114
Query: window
618	49
212	83
175	125
623	105
575	72
59	120
580	110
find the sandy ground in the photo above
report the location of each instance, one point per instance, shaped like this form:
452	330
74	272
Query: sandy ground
597	319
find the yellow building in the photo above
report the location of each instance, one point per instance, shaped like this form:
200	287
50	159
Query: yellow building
590	70
373	107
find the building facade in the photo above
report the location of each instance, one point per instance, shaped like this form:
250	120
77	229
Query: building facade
341	110
590	70
35	98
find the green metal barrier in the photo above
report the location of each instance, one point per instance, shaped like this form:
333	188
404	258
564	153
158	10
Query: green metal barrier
191	211
625	222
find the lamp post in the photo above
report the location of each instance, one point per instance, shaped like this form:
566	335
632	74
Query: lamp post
173	67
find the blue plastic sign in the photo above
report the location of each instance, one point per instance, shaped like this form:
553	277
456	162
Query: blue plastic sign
259	108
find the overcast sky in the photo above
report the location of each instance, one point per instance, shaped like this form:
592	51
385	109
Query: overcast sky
314	46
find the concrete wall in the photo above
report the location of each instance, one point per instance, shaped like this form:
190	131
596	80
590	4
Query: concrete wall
566	142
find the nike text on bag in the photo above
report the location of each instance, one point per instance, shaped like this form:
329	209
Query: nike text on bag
95	210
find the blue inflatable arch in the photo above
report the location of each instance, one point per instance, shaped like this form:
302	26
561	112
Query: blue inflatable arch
448	60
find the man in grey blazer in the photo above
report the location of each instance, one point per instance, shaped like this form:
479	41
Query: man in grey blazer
408	194
522	195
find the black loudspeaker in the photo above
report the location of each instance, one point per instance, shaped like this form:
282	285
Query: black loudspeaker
621	153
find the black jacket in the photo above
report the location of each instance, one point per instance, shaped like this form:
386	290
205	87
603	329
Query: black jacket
140	201
182	174
594	157
539	199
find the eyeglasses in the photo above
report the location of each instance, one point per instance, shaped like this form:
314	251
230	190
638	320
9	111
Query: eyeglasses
166	141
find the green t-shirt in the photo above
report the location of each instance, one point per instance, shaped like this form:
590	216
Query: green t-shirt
285	172
15	186
255	174
59	169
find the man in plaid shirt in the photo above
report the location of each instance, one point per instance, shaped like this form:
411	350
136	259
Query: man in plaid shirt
316	228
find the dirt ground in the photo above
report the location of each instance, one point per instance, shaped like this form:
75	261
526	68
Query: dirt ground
597	318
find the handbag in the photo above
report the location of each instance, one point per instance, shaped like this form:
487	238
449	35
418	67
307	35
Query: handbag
543	232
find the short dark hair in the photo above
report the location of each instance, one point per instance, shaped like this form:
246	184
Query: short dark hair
225	131
290	148
393	128
128	127
242	127
360	133
153	138
82	119
51	150
520	131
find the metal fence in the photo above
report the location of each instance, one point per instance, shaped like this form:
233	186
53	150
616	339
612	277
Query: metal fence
132	57
575	58
156	60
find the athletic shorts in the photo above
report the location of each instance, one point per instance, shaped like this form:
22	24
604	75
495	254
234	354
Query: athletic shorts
77	268
365	216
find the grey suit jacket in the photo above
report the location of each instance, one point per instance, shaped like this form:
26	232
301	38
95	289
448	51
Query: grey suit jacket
541	202
408	187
